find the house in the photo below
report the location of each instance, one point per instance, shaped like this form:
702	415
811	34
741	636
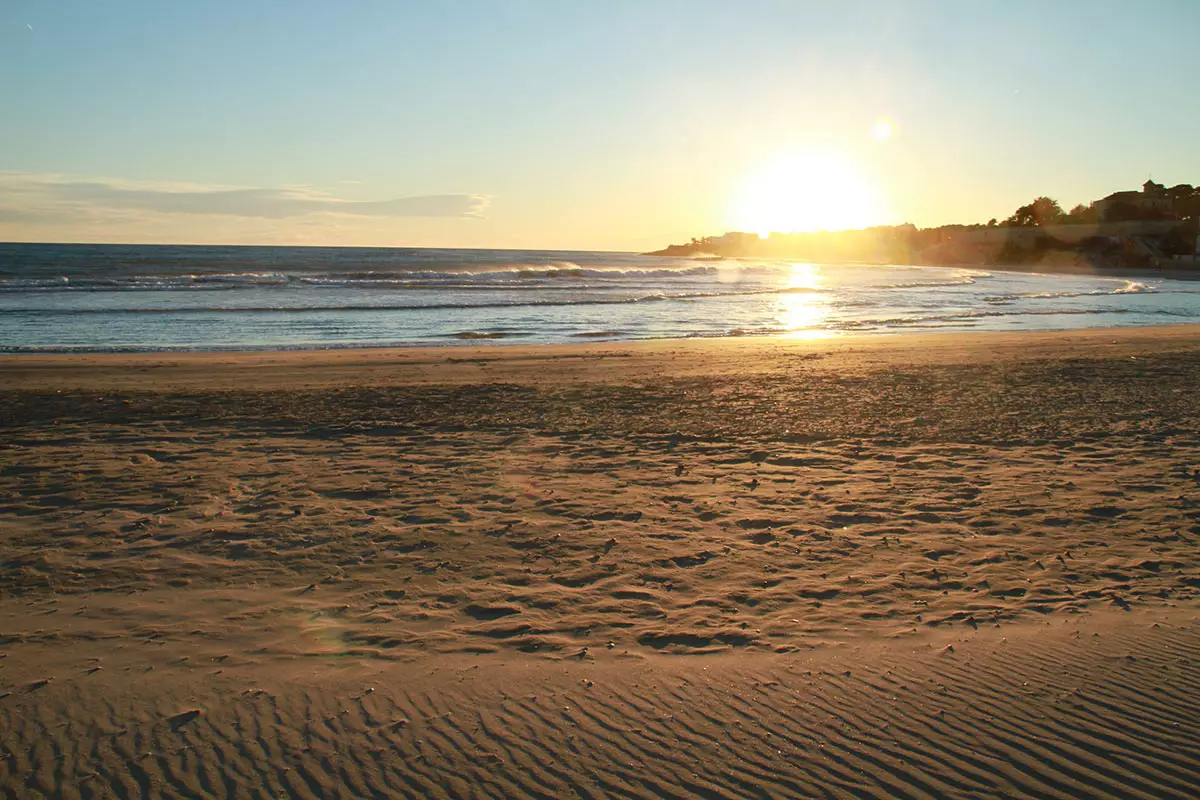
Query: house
1152	198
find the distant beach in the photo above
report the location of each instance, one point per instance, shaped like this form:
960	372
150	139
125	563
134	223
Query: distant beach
941	564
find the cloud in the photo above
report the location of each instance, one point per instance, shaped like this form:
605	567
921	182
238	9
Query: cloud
48	198
17	215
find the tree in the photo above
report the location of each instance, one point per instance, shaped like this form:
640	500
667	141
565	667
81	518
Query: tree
1180	191
1185	201
1124	212
1082	215
1180	241
1042	211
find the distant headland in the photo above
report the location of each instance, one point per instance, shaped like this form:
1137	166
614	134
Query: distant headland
1154	228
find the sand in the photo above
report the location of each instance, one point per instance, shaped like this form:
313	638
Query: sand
953	565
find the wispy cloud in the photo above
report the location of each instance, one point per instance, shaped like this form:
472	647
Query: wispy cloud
17	215
51	198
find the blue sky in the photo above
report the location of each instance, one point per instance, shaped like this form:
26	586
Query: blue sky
614	125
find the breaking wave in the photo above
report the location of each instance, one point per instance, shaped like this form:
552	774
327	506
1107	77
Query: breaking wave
482	277
1127	287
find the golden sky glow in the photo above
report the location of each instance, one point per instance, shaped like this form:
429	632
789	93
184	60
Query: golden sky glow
806	190
602	126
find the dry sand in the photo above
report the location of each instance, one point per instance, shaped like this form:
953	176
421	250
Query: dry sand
930	566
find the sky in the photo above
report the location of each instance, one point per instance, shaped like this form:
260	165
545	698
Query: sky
616	125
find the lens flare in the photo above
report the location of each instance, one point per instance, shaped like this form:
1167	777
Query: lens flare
883	129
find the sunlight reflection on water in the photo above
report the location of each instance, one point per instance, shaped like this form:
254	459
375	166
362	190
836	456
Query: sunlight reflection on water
802	311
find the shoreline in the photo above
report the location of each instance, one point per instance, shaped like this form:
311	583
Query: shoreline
638	360
1051	269
1174	274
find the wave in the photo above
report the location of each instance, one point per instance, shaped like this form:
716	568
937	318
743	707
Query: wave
557	276
543	281
471	335
1128	287
599	301
932	321
924	321
459	276
979	315
861	326
961	279
649	297
505	275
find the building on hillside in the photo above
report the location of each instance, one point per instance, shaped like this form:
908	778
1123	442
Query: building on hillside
1152	198
735	239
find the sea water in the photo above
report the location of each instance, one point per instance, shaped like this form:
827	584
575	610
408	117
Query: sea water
160	297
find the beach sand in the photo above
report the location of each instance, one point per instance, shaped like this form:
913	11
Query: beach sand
954	565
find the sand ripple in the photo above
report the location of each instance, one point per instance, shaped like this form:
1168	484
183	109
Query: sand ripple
1077	709
869	575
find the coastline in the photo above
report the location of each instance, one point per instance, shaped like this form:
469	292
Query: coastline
593	362
869	565
1037	268
1174	274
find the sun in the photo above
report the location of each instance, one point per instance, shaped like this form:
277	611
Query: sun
806	191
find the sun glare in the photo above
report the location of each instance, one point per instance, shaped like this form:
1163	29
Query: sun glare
804	276
802	316
806	191
802	307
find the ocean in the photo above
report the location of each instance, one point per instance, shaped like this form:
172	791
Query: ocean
164	297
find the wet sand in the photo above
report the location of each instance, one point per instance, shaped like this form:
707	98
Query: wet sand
926	566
